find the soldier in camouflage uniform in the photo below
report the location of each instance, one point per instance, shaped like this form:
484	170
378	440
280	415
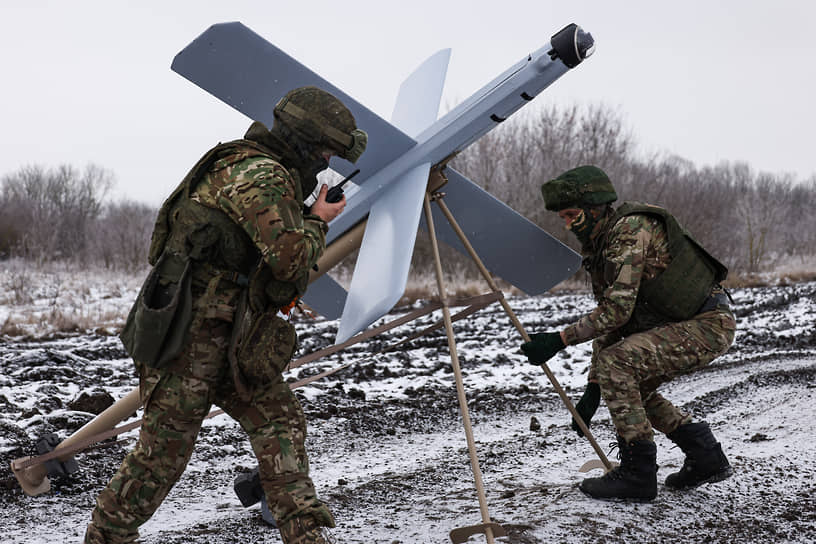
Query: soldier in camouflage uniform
231	250
661	312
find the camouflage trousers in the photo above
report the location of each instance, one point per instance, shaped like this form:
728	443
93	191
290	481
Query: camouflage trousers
629	370
176	401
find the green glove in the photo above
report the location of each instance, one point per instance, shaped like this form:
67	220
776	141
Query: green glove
542	347
587	406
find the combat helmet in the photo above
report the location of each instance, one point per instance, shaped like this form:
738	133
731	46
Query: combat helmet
578	188
320	119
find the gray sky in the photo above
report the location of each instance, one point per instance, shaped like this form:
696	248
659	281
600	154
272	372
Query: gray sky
90	81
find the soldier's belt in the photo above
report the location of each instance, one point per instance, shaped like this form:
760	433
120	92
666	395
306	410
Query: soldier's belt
204	273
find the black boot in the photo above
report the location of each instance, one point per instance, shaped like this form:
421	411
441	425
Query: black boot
705	461
635	478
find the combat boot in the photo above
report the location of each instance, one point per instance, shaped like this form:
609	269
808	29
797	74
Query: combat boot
304	530
635	478
705	461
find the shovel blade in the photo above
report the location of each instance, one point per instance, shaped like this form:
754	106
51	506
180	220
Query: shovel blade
596	463
34	479
462	534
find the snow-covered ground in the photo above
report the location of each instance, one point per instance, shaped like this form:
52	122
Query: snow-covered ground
386	444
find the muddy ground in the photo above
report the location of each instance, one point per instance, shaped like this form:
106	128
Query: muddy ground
389	454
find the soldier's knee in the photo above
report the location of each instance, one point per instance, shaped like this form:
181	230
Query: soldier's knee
279	405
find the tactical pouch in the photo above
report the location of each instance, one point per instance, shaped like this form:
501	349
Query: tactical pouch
265	291
157	325
267	348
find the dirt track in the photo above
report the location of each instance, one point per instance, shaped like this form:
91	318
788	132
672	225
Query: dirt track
389	455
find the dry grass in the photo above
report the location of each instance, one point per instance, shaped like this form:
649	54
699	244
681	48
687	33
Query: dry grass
11	328
40	300
465	283
790	271
425	287
63	297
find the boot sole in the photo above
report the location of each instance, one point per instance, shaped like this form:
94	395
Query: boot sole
618	499
719	477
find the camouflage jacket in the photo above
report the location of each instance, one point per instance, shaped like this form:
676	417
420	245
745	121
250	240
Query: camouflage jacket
261	196
636	249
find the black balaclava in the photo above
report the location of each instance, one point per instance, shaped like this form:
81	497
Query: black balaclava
294	152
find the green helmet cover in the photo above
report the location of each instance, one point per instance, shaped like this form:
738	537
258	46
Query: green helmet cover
579	187
319	118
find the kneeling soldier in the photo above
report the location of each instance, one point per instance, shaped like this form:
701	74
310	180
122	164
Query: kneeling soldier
661	312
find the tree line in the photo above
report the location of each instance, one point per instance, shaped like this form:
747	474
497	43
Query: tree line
62	213
750	220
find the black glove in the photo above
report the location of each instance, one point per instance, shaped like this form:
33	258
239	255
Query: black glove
587	406
542	347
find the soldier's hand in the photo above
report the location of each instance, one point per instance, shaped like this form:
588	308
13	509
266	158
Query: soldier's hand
542	347
327	210
587	406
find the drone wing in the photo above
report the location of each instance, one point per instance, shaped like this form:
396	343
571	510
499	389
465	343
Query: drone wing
239	67
247	72
381	271
244	70
510	246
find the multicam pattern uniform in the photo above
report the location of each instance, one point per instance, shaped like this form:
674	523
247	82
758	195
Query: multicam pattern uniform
262	197
632	353
258	194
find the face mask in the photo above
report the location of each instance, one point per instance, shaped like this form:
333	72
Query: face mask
308	179
582	226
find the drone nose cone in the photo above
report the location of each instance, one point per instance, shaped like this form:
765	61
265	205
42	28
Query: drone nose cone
572	45
585	43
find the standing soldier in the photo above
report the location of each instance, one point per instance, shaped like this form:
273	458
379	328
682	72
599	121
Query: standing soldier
232	249
661	312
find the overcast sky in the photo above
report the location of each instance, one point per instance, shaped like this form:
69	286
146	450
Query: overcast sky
90	81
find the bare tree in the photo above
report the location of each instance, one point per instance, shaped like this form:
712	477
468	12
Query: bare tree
54	208
799	227
122	236
761	205
747	220
736	214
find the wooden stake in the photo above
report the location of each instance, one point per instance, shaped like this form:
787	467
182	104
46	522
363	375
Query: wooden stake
509	311
457	371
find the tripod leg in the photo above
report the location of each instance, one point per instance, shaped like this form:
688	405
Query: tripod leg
457	371
509	311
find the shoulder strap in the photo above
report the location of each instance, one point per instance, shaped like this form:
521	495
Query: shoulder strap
676	232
